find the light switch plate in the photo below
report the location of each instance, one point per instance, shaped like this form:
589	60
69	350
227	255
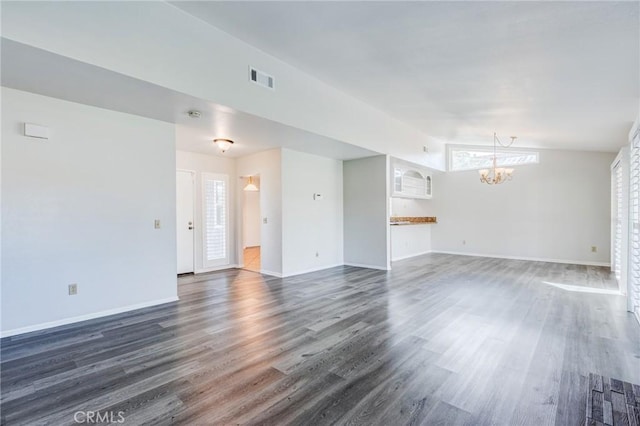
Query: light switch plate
156	224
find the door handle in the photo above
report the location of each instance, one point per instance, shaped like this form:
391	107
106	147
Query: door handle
191	227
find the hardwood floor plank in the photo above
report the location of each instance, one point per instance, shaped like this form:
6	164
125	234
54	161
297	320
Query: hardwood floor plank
440	339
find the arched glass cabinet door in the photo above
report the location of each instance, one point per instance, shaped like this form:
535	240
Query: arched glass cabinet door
397	180
414	184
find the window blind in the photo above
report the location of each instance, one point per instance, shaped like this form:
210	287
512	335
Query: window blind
216	221
634	213
619	217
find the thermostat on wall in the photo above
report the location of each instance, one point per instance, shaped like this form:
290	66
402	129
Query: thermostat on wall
36	131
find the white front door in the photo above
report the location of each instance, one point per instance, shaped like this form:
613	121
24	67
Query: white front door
184	215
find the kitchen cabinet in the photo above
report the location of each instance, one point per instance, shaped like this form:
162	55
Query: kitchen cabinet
411	183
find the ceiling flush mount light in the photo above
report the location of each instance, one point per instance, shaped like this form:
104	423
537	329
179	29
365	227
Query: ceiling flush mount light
223	144
251	186
496	174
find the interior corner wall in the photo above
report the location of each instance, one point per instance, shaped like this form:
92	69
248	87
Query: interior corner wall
312	226
268	165
199	164
366	212
554	211
80	208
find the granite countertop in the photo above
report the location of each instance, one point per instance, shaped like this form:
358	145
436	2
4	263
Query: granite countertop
411	220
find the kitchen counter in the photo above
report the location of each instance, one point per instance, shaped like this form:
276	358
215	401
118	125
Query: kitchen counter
410	220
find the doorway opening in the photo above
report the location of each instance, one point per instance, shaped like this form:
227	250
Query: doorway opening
251	222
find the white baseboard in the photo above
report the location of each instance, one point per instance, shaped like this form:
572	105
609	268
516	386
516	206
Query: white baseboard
273	274
533	259
215	268
306	271
411	255
51	324
361	265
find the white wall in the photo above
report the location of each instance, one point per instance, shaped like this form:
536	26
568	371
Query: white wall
200	163
555	210
154	42
268	165
251	220
366	212
311	226
80	208
410	240
412	207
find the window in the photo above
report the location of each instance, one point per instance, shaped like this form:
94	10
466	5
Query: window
215	191
618	220
481	157
633	290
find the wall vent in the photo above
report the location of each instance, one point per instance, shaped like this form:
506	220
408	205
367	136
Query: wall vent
261	78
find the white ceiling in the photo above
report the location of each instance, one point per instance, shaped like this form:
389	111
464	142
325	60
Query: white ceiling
557	74
38	71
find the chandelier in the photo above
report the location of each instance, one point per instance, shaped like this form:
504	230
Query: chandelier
496	174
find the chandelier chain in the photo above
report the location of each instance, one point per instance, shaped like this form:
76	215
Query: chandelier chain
497	175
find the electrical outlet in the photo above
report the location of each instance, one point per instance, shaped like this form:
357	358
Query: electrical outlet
73	289
594	249
264	220
156	224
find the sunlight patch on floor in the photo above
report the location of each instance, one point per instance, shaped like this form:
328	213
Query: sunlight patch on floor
581	289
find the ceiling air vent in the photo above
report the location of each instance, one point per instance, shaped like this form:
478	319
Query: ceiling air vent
261	78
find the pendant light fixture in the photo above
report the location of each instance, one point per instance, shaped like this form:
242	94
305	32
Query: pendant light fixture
496	175
223	144
251	186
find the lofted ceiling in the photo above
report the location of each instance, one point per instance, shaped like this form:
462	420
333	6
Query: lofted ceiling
37	71
556	74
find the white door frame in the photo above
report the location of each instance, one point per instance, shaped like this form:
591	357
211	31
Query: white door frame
193	200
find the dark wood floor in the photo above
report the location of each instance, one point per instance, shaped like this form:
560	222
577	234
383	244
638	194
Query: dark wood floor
441	339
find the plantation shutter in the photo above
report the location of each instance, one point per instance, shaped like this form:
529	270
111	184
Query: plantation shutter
216	219
634	213
618	219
